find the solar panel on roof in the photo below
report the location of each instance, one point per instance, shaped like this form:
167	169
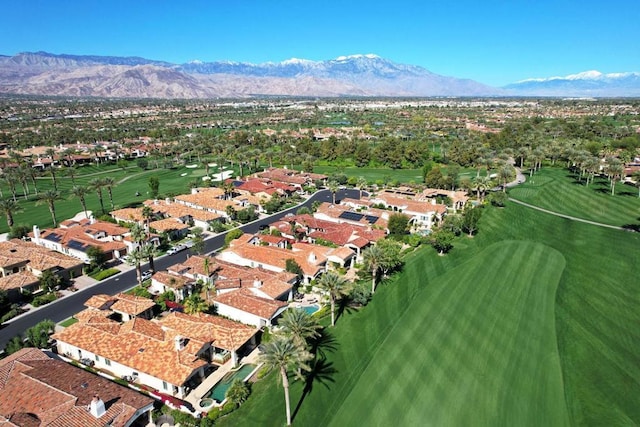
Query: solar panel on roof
372	219
74	244
351	216
53	237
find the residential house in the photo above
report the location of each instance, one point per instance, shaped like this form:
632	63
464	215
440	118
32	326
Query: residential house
36	390
22	263
181	286
169	355
74	238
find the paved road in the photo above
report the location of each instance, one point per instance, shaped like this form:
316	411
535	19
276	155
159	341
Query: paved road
71	304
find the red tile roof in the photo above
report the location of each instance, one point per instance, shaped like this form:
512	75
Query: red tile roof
37	390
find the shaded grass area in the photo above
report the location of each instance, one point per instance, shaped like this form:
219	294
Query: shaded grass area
441	359
561	191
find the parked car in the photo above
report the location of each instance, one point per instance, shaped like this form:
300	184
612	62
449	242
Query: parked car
176	249
147	275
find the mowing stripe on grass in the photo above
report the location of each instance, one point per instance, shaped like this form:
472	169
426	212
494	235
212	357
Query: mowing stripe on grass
472	349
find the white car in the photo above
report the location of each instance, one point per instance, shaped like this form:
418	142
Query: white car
147	275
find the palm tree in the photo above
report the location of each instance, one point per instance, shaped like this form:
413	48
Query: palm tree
373	257
149	250
286	356
616	172
81	193
504	175
147	214
361	183
109	182
9	207
333	187
481	184
135	258
50	197
52	170
195	304
97	184
71	172
299	325
335	286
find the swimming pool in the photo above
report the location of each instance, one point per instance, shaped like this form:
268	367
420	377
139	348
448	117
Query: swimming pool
310	308
220	389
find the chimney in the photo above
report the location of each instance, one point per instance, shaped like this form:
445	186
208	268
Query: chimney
312	257
92	220
167	201
36	234
96	407
178	343
257	283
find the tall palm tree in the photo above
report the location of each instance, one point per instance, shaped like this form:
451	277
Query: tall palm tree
147	214
109	182
333	187
50	197
135	258
97	185
81	193
286	356
361	183
505	173
616	173
335	286
149	251
52	170
373	257
9	207
299	325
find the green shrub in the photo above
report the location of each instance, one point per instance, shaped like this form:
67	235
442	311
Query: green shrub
103	274
13	312
43	299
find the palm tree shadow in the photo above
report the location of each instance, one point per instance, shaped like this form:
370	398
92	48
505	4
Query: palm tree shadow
321	372
343	307
323	343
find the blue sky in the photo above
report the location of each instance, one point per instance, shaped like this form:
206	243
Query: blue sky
493	42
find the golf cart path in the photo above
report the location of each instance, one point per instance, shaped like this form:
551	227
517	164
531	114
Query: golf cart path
573	218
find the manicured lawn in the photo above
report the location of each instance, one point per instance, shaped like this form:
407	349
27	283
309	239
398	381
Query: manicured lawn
128	182
373	175
559	190
532	322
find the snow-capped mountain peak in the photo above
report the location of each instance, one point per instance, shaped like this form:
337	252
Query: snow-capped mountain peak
357	56
586	83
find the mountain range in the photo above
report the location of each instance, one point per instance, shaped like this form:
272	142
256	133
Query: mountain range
41	73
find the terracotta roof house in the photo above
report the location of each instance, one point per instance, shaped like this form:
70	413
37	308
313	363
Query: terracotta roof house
196	267
181	286
36	390
291	177
262	282
187	214
175	228
138	348
345	214
74	238
168	355
226	338
245	306
22	263
422	214
458	199
130	306
242	251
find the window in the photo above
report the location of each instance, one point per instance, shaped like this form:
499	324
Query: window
164	385
107	362
97	358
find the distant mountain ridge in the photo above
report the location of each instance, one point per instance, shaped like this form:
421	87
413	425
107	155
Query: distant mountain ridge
42	73
588	83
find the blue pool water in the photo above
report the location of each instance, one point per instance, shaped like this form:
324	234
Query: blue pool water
220	389
310	308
